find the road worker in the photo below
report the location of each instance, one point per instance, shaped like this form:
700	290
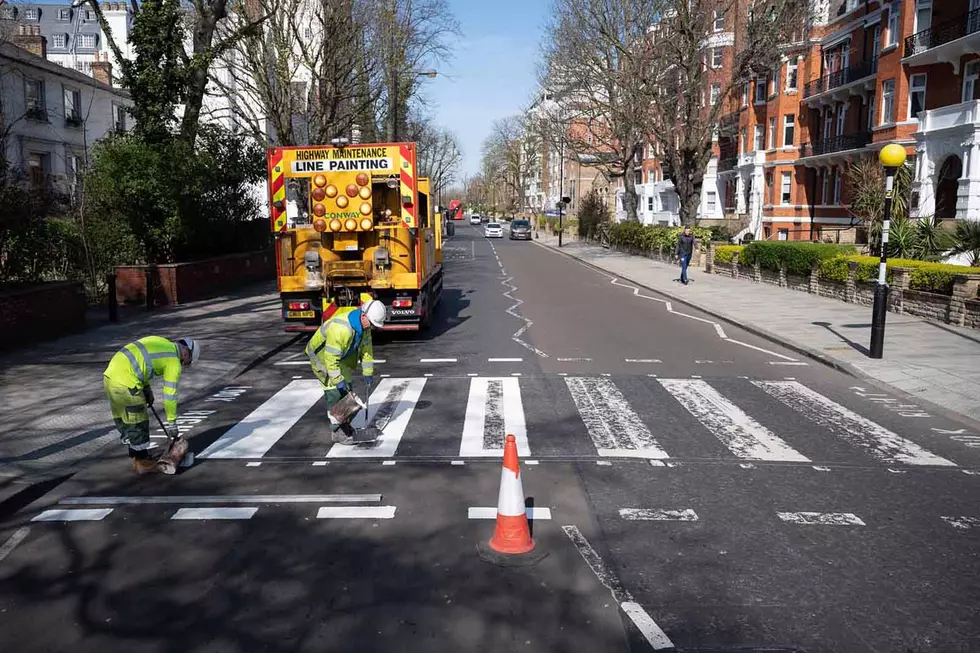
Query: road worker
336	348
127	385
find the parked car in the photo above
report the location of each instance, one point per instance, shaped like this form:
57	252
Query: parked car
493	230
520	230
475	219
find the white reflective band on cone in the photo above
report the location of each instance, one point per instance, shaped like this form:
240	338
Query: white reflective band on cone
510	501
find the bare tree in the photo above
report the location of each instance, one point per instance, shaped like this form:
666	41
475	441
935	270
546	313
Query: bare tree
439	156
510	158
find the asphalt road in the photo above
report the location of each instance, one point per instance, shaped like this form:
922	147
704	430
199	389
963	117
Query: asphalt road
693	486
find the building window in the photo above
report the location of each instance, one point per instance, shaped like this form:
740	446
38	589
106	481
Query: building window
871	111
719	21
837	184
716	57
715	94
783	234
37	166
64	14
772	133
770	186
745	94
32	13
923	15
841	118
760	90
650	204
792	72
789	129
119	117
89	15
893	32
970	75
711	202
760	137
876	48
828	122
786	189
73	106
917	95
888	101
825	190
34	98
742	138
59	41
86	40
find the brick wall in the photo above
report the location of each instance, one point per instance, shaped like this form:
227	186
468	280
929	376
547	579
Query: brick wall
41	312
179	283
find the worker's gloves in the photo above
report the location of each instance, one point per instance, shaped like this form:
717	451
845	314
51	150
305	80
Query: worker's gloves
369	380
343	386
170	429
148	395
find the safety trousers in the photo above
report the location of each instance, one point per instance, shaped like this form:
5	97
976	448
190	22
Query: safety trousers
128	408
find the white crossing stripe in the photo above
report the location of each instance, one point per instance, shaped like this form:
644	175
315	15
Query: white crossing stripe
880	442
822	518
392	405
79	514
613	426
356	512
962	523
655	514
263	427
437	360
494	410
504	360
189	514
744	436
490	512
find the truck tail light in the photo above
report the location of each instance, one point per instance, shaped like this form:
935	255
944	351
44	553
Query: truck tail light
299	306
402	303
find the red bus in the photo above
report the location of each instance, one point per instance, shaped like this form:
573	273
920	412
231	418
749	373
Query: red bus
455	209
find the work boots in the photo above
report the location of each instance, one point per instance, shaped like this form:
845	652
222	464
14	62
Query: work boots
144	466
344	435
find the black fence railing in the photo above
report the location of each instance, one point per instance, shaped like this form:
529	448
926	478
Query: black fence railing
836	144
841	77
942	33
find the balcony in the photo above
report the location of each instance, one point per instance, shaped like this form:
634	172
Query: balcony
963	117
946	42
837	144
840	81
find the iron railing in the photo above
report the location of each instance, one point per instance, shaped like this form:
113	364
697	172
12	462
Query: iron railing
943	33
836	144
841	77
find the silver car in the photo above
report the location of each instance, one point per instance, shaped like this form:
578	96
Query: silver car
520	230
493	230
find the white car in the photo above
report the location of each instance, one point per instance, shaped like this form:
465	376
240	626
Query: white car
475	219
493	230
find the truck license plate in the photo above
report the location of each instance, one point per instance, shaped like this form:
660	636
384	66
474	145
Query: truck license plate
301	314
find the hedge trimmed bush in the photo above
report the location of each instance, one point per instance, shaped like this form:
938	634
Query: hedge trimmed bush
928	277
798	257
726	253
651	237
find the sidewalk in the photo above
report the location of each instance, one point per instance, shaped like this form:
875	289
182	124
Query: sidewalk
934	362
53	413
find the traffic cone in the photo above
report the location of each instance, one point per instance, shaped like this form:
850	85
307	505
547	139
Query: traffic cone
512	534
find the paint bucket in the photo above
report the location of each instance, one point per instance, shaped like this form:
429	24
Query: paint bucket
344	410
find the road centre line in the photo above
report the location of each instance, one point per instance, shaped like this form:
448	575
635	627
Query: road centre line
655	514
437	360
490	512
356	512
195	514
822	518
231	498
19	536
505	360
93	514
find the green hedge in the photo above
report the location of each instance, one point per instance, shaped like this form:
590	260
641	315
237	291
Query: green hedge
925	276
651	237
798	257
725	253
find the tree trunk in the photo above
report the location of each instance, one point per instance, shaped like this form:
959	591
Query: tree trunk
631	201
688	182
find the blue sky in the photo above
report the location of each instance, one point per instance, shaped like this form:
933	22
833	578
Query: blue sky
491	73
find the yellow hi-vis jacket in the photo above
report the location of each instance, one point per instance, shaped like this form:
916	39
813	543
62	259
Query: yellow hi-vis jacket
137	363
338	345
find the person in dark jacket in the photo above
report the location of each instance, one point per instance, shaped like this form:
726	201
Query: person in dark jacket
685	247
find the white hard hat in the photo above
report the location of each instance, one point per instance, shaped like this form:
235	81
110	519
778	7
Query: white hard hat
375	312
194	346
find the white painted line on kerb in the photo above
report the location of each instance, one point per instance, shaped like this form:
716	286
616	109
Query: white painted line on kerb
654	514
656	637
490	512
822	518
962	523
615	429
205	514
392	405
848	425
263	427
212	499
505	360
356	512
19	536
494	410
743	436
437	360
81	514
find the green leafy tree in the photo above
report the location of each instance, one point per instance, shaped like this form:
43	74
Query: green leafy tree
592	212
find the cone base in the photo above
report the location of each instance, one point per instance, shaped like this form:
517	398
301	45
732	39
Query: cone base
512	535
528	559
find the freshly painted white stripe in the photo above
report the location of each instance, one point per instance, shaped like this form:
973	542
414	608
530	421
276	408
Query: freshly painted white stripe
457	462
655	514
647	626
437	360
214	513
797	363
428	375
614	427
81	514
307	363
320	463
643	360
356	512
822	518
848	425
388	463
516	374
743	436
963	523
380	361
253	464
530	462
19	535
231	498
504	360
263	427
489	512
494	409
392	405
472	374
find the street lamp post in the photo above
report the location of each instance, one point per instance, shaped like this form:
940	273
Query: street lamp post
892	157
395	73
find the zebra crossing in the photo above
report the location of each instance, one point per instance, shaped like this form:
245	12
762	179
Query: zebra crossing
601	417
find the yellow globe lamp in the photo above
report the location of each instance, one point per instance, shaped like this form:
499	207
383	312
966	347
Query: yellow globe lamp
892	155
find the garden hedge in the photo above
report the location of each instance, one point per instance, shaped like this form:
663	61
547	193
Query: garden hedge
925	276
726	253
798	257
651	237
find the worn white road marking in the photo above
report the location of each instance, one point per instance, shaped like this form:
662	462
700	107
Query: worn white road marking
81	514
388	463
603	462
214	513
574	360
792	363
490	512
822	518
504	360
962	523
643	360
253	464
493	410
457	462
392	405
848	425
263	427
821	468
530	462
612	424
656	514
320	463
645	624
19	536
212	499
356	512
743	436
657	463
437	360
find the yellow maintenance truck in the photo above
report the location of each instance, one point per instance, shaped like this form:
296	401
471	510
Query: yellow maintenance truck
352	222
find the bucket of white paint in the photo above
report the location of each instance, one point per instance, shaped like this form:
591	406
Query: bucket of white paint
345	409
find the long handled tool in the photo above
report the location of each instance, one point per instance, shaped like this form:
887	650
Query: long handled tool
188	458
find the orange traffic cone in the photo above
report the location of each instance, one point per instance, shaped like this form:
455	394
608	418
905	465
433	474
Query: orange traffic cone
512	534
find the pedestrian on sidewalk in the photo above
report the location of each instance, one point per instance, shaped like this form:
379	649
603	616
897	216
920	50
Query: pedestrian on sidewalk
685	248
335	350
126	382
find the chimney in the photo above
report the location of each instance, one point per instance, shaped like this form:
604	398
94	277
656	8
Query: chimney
29	38
102	69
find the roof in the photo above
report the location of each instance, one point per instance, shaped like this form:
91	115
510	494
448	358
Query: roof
12	52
